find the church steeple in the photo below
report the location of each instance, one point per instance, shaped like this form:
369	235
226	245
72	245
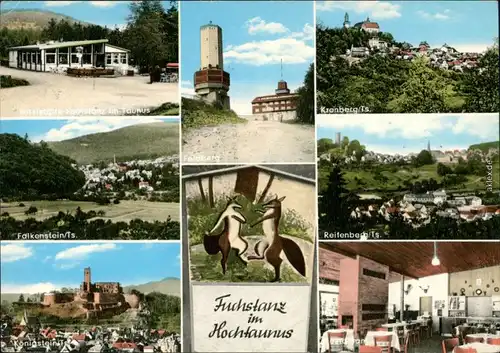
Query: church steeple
347	23
428	145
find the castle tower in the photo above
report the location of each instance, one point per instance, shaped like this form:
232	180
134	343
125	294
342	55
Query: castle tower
347	23
337	138
211	82
86	279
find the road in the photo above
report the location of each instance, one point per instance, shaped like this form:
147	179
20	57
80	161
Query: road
52	94
252	142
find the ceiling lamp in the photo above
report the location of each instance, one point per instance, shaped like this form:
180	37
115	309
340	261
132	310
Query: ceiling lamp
435	259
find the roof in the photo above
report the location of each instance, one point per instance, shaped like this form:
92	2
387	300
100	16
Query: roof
232	169
275	97
367	24
117	47
210	25
54	45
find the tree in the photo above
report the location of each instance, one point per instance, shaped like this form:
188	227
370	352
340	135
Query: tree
424	158
21	298
305	101
481	85
333	203
423	91
324	145
152	33
443	170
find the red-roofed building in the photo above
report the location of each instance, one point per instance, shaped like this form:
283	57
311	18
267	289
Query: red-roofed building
79	337
125	346
368	26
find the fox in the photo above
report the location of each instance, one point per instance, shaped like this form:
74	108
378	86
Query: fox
229	237
274	246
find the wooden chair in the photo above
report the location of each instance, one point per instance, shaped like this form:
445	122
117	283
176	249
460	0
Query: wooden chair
493	341
400	332
369	349
459	349
449	344
406	343
384	329
469	339
384	342
338	341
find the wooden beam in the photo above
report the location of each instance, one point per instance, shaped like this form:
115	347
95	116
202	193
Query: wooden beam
202	194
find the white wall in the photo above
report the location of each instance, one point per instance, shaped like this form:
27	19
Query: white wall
276	116
438	290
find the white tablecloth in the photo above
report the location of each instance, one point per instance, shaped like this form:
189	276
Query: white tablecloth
404	324
370	338
484	336
348	342
482	347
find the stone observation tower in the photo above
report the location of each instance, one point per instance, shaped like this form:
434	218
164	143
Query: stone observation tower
211	82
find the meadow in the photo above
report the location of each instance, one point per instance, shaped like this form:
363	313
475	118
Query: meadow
125	211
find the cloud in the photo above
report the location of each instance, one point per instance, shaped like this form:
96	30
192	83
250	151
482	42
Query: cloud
34	288
375	9
14	252
147	246
445	15
467	48
258	25
103	3
483	126
266	52
59	3
187	89
85	126
47	258
66	266
290	47
84	251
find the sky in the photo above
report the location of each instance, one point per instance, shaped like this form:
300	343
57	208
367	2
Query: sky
59	130
105	13
42	267
469	26
257	35
403	134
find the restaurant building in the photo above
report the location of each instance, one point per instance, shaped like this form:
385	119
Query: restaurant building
410	295
281	106
56	56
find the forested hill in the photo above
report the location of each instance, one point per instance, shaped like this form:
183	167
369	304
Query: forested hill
33	19
29	169
142	141
485	146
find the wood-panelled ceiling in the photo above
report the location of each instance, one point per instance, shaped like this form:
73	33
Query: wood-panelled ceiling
413	259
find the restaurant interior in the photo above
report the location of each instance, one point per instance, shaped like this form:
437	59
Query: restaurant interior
421	297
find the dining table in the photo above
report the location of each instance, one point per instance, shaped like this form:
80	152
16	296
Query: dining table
484	336
370	338
348	341
481	347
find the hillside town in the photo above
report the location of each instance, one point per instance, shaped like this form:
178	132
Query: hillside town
29	336
417	209
444	57
132	177
439	156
